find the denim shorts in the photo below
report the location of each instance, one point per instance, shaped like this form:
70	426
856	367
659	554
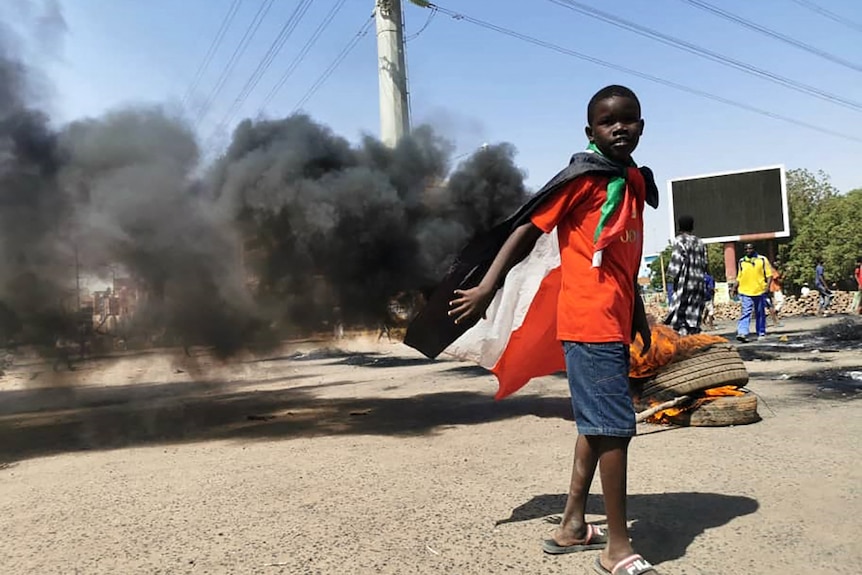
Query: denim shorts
598	376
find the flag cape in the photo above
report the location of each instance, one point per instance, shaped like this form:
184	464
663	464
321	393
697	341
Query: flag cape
518	340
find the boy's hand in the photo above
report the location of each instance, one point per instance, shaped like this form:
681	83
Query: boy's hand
470	303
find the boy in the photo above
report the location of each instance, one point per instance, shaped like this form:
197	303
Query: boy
599	309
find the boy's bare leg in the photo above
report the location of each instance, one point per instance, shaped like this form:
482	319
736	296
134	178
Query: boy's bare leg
573	527
613	461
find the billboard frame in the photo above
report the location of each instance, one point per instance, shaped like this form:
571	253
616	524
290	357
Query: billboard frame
785	207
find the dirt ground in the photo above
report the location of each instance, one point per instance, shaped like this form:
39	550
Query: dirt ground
372	459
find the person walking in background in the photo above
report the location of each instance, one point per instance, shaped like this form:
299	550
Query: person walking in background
822	288
686	271
776	293
752	276
709	301
856	305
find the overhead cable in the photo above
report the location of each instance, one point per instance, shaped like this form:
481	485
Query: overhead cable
669	83
614	20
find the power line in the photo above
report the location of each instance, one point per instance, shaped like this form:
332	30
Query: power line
433	12
263	66
225	24
772	33
831	15
651	78
335	63
240	49
294	64
707	54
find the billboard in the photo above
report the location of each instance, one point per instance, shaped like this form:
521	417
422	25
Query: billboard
744	205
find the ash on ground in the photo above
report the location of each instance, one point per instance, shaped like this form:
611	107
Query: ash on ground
849	329
833	383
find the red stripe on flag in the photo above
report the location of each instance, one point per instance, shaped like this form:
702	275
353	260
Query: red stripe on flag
533	349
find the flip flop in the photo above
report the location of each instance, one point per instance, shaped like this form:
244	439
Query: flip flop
596	539
631	565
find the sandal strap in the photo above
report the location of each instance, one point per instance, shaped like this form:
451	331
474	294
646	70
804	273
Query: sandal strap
633	565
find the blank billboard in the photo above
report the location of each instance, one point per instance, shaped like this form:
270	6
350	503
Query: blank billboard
733	206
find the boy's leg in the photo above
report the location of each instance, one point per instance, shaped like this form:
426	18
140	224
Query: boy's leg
613	465
598	382
573	527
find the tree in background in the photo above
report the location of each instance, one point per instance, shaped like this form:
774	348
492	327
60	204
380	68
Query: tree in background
832	230
824	223
715	257
715	264
655	267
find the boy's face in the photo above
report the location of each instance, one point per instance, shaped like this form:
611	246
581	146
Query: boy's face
616	127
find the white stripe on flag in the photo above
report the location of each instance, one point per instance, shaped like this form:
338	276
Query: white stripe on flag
484	343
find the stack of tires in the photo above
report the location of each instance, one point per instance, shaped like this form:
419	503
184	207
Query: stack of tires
718	365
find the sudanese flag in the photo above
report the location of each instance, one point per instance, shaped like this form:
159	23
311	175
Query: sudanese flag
518	340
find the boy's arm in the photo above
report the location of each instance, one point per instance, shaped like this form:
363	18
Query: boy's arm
639	320
474	301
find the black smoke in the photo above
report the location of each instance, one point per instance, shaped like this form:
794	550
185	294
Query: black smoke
33	211
348	227
291	228
138	204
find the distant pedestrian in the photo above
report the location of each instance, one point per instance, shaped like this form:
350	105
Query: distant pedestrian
776	292
708	301
822	288
686	271
856	306
752	277
63	350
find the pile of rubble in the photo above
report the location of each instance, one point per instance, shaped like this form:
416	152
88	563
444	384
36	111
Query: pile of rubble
793	306
807	304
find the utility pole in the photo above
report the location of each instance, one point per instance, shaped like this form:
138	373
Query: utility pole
77	316
392	72
77	283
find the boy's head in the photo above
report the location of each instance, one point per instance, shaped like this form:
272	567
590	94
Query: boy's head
614	122
749	250
685	224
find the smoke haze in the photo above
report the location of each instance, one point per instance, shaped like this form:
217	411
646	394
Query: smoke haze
292	228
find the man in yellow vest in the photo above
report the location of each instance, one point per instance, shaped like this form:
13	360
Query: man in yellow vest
753	276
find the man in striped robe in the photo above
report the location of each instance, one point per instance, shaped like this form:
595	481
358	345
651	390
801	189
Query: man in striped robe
686	272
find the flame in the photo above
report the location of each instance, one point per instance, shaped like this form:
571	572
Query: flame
723	391
667	346
707	396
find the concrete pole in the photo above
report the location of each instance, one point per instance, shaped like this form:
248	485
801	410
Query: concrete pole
392	72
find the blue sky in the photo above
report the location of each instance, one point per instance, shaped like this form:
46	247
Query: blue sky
480	86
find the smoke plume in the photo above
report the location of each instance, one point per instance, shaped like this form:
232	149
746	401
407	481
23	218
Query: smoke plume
292	228
359	223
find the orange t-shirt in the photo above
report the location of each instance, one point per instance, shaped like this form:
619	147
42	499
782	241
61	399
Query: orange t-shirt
777	281
595	304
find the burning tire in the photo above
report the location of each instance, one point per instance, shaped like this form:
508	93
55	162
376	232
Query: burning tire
715	366
719	412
